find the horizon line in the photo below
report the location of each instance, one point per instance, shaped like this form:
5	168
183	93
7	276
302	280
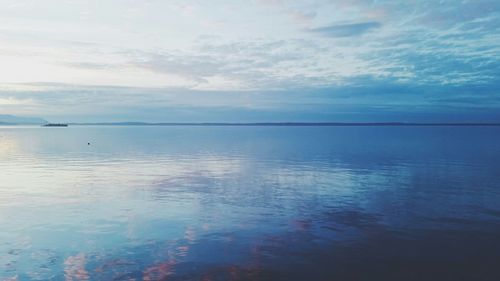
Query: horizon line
288	123
332	124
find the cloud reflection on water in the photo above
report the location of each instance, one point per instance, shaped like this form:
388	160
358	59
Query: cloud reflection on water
244	203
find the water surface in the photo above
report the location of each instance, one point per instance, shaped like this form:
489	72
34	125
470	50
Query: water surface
249	203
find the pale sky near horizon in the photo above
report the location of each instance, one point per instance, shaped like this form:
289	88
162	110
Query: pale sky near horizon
254	60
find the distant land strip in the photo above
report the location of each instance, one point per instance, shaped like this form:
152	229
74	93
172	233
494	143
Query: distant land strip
332	124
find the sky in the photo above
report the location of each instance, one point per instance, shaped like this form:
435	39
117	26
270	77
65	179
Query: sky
251	61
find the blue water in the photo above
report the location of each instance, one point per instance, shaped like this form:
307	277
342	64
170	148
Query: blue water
249	203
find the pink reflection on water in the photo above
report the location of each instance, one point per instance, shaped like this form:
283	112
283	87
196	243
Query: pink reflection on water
206	226
190	235
74	268
159	271
182	251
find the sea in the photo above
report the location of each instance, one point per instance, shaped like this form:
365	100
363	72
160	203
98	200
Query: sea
250	203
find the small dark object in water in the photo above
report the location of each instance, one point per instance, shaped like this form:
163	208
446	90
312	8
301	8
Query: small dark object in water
88	143
55	125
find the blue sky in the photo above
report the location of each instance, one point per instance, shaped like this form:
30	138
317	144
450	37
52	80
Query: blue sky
254	60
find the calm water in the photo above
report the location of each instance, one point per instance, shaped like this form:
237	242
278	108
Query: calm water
250	203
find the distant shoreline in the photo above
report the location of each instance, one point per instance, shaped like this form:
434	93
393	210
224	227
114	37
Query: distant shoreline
279	124
291	124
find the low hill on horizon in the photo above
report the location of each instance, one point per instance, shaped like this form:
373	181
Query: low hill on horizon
7	119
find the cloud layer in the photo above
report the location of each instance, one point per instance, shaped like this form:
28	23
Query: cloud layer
250	60
347	30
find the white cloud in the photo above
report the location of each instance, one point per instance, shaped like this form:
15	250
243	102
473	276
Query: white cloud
240	46
14	101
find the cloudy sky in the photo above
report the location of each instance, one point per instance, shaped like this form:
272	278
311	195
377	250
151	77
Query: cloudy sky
252	60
